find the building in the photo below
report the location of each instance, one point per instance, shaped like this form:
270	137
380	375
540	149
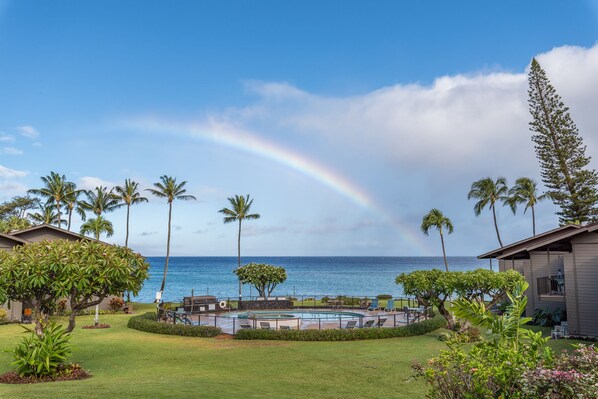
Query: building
35	234
561	267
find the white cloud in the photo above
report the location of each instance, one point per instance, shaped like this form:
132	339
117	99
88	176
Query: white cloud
91	182
37	144
5	138
28	131
11	151
10	189
7	173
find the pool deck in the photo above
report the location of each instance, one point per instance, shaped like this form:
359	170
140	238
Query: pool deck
230	324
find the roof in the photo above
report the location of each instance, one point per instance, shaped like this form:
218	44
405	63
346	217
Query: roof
13	238
560	235
50	227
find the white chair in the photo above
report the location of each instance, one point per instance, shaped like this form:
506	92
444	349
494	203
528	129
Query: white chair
557	332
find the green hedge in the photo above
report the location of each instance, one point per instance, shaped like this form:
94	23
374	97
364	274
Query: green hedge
410	330
147	322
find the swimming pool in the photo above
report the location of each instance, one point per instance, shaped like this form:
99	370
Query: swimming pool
293	314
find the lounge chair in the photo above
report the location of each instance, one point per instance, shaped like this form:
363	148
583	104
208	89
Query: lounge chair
246	326
381	322
374	305
351	324
284	327
264	325
369	323
390	306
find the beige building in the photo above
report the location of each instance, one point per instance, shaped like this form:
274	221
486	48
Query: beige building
42	232
561	267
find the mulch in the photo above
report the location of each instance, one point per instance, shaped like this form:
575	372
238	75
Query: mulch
70	373
224	336
93	327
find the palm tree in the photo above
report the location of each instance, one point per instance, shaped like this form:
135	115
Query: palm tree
54	190
97	226
100	201
129	195
525	191
47	215
72	202
435	218
487	192
240	211
168	188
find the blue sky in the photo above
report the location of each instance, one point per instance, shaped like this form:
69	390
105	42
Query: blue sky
346	121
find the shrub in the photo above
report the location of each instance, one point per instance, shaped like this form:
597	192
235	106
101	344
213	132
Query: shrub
410	330
116	303
384	296
2	314
42	355
548	317
147	322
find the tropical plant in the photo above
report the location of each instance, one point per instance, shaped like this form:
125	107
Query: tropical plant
46	215
486	286
525	191
100	201
561	152
488	192
73	203
239	211
54	191
42	355
262	276
13	223
168	188
431	288
435	218
97	226
129	195
84	271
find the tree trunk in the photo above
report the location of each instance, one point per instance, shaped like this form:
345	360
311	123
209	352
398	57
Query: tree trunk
167	248
496	225
447	315
39	318
70	215
534	220
239	260
72	317
58	210
443	251
127	236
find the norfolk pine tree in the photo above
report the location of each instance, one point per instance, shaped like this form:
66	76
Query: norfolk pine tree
561	152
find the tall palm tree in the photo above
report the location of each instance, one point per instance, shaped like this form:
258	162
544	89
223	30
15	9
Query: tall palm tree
100	201
46	215
168	188
129	195
97	226
239	211
435	218
487	192
54	190
525	191
73	203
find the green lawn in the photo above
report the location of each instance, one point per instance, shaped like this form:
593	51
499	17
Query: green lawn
133	364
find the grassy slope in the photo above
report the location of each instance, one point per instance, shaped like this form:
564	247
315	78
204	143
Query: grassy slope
133	364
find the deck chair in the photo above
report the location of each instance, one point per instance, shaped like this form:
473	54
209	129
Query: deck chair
369	323
246	326
374	305
284	327
381	322
390	306
351	324
264	325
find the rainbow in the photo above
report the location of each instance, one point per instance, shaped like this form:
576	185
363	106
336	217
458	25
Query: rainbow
239	139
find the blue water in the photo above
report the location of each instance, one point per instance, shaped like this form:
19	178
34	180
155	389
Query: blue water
358	276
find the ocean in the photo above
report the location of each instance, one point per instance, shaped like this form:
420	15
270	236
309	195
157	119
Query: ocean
322	275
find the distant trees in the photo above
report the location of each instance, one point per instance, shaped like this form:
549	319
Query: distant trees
97	226
561	152
488	191
239	211
435	218
169	189
129	195
262	276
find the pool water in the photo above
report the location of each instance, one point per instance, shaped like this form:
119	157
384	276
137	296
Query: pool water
295	315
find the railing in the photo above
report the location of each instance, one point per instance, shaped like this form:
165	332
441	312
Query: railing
552	286
404	311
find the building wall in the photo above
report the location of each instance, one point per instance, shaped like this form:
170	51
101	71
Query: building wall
46	234
7	244
15	311
585	269
543	264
